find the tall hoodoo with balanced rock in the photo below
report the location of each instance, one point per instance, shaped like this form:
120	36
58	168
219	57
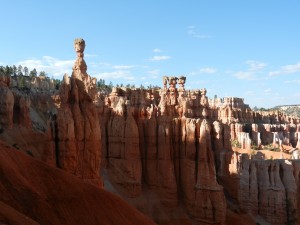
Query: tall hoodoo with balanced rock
78	131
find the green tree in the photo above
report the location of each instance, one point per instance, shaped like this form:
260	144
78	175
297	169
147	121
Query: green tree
8	71
57	83
20	70
101	84
14	70
21	82
43	74
25	69
33	73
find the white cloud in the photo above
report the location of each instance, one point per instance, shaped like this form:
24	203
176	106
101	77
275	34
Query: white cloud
255	65
101	65
123	67
202	36
292	81
153	72
51	65
157	50
288	69
160	58
268	90
118	74
208	70
254	68
246	75
90	55
249	93
192	32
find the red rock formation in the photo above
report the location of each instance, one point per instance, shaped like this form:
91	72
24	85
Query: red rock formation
263	187
6	103
181	146
204	197
164	150
124	159
176	152
78	129
31	192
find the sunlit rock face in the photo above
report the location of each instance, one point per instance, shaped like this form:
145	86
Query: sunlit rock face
262	187
183	148
77	123
162	139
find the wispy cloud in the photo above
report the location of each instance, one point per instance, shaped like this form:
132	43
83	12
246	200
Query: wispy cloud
153	72
268	90
208	70
249	93
123	67
292	81
159	58
50	65
100	64
254	68
56	67
255	65
246	75
191	30
90	55
157	50
118	74
205	70
288	69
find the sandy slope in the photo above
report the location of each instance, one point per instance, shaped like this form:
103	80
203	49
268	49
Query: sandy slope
32	192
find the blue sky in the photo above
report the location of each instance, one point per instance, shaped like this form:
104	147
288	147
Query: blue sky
248	49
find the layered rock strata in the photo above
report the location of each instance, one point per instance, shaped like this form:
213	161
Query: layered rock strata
262	187
181	139
77	129
156	144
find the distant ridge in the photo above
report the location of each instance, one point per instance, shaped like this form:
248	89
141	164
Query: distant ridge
296	105
290	110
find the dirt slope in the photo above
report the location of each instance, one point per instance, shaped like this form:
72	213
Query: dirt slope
32	192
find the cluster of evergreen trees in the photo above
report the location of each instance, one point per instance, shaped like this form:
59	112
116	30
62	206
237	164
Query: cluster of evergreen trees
20	71
107	88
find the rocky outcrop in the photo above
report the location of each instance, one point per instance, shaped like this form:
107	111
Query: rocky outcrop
34	84
124	157
77	126
154	144
183	147
203	196
6	103
263	187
